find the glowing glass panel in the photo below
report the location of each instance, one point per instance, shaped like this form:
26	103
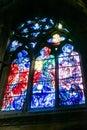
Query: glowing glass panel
33	29
71	89
33	44
61	27
35	34
21	26
47	27
44	20
56	39
17	83
14	45
36	26
25	30
43	91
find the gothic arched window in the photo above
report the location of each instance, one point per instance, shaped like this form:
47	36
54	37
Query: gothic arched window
45	70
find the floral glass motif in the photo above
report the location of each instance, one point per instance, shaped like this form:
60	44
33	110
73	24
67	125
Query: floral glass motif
43	90
15	93
34	29
71	90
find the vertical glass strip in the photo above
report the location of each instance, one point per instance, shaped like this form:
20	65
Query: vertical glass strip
16	87
43	90
71	88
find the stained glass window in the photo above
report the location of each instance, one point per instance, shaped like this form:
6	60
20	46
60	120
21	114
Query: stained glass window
17	83
44	80
45	70
71	90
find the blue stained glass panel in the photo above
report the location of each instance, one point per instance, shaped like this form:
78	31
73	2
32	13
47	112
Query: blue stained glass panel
71	88
21	25
29	22
36	26
25	30
14	45
44	86
47	27
15	103
43	100
35	34
51	21
73	96
33	44
44	20
18	102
